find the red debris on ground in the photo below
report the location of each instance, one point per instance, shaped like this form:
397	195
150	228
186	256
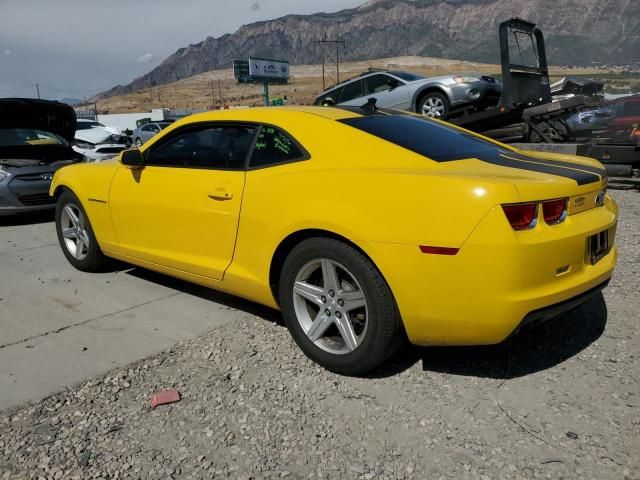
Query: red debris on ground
165	396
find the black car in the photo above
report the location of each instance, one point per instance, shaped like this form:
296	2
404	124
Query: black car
35	141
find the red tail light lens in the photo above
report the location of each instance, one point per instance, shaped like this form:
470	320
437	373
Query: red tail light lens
521	216
554	211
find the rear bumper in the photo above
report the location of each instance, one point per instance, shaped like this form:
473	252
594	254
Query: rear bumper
552	312
498	280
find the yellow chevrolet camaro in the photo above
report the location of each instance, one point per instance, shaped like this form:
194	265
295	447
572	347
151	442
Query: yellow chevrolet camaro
364	226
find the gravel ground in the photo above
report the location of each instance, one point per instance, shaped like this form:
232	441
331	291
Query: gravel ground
561	401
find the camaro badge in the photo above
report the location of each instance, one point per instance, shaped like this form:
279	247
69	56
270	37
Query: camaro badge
579	202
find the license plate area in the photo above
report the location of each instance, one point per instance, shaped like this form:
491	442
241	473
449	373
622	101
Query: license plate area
598	246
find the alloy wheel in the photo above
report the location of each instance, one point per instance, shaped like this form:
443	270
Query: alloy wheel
74	231
330	306
433	107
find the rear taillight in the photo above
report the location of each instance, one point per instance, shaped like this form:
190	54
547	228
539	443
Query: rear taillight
521	216
554	211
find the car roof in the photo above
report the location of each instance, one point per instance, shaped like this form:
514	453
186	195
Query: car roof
268	114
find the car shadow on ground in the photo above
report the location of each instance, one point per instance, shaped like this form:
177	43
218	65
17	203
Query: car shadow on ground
532	350
43	216
202	292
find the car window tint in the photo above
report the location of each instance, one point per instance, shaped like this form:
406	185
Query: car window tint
146	128
351	91
378	83
423	136
274	146
210	147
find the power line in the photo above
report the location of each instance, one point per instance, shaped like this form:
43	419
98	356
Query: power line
326	42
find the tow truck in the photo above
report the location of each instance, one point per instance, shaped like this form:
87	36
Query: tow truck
527	114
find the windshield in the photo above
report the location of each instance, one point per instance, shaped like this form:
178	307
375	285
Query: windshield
17	137
407	77
425	137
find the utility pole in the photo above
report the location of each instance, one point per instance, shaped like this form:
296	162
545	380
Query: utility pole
38	89
338	43
213	98
220	95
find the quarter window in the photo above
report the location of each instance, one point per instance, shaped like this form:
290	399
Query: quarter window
224	148
274	146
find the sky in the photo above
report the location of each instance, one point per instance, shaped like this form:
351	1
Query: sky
76	48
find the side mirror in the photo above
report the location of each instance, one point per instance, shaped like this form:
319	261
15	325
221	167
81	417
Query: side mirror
132	158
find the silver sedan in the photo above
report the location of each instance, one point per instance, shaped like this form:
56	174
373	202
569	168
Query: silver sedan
434	97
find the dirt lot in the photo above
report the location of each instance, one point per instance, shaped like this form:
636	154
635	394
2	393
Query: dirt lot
561	401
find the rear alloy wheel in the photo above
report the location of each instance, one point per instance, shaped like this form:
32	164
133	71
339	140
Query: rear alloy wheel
337	306
76	236
434	105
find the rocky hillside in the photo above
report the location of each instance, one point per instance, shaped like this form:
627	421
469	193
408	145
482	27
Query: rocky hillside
577	32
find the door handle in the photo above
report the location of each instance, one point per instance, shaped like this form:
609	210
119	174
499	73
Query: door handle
220	194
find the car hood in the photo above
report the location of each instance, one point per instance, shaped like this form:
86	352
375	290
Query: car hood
95	135
55	117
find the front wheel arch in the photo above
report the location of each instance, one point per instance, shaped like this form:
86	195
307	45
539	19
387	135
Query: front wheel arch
424	92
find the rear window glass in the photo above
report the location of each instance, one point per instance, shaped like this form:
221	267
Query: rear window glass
422	136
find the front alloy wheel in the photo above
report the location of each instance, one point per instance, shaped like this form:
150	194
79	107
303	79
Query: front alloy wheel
74	231
434	105
338	307
76	236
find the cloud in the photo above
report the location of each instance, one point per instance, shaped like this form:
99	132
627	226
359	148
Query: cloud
6	53
146	58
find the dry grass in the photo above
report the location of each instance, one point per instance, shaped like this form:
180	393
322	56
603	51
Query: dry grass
204	91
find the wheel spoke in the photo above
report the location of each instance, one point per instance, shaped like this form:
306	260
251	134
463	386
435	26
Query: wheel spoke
347	332
329	275
69	233
72	215
79	246
353	300
319	326
309	292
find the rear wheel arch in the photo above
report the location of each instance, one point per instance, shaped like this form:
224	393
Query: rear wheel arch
294	239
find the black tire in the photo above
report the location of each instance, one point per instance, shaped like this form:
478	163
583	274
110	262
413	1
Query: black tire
384	331
438	99
95	260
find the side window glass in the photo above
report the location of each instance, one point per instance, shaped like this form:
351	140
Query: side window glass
209	147
351	91
145	128
378	83
274	146
154	128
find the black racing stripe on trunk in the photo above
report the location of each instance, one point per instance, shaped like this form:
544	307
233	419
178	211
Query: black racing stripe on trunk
560	163
581	178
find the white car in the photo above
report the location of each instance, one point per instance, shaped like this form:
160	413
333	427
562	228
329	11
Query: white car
96	142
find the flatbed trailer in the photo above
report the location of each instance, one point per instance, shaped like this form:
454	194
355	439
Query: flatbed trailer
529	117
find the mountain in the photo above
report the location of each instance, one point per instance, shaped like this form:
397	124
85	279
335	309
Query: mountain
576	31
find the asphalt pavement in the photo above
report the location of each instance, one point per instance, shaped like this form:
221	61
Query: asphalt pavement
59	326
